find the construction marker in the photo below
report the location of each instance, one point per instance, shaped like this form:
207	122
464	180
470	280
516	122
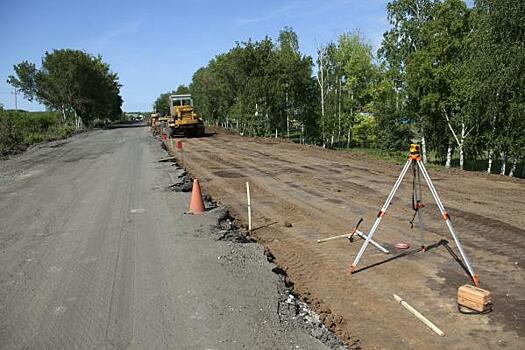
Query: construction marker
419	315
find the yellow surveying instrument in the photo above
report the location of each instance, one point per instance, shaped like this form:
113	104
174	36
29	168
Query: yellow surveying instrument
418	168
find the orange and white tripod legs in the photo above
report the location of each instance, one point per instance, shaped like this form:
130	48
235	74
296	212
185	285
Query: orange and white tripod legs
444	213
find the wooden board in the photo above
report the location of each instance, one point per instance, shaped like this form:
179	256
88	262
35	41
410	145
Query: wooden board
474	298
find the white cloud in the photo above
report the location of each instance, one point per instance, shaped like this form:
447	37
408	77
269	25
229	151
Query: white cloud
295	9
106	39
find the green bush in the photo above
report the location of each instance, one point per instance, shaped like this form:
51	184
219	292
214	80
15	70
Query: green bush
19	129
364	131
42	121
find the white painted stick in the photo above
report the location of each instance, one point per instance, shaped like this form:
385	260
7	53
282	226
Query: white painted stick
322	240
372	242
360	234
418	315
249	206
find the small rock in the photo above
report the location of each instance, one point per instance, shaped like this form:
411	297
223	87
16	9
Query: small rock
287	224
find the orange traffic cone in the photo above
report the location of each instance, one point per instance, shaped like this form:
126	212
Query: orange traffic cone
196	204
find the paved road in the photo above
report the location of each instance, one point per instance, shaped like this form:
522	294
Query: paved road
95	253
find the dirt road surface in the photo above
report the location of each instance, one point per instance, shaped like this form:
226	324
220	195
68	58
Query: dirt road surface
323	193
96	253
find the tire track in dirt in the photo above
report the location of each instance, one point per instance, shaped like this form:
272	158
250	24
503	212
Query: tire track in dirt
300	184
299	266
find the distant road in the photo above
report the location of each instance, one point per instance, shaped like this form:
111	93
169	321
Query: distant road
95	253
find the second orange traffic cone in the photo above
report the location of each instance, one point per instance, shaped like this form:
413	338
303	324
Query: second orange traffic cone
196	204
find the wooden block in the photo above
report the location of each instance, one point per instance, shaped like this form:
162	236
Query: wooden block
474	298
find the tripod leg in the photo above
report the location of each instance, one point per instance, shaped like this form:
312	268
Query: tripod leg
418	203
380	215
446	217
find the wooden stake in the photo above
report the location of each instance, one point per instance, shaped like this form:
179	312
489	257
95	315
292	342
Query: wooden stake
360	234
249	207
418	315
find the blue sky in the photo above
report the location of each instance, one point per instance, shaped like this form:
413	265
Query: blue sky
156	45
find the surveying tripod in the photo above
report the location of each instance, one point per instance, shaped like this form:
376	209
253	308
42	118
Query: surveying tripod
414	160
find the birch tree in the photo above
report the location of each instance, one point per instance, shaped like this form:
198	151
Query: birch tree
321	77
357	76
400	42
497	77
437	73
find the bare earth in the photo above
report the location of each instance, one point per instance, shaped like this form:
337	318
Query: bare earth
324	193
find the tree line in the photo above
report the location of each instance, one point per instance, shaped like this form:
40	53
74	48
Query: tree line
80	86
447	75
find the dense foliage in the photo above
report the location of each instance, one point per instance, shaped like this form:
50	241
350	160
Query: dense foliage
19	129
78	85
447	75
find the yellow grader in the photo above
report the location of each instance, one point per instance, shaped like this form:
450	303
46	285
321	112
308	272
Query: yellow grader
183	119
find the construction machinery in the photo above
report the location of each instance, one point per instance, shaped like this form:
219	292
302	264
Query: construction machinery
154	117
183	119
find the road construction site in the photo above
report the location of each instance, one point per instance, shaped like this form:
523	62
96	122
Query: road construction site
96	252
301	194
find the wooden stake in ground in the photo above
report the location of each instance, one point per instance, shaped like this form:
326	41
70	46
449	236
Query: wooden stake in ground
249	206
419	316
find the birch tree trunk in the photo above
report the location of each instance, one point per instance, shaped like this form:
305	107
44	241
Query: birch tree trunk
339	114
461	149
449	155
461	156
424	148
77	121
491	156
459	140
349	135
514	165
503	163
491	150
64	118
320	80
